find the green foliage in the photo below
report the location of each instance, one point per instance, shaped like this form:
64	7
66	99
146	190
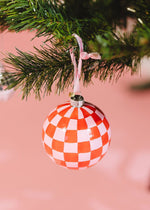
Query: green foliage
39	71
135	45
50	17
94	20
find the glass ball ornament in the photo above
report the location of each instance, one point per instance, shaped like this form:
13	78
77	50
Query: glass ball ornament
76	134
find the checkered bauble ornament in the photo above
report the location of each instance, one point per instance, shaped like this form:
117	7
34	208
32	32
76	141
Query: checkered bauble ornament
76	134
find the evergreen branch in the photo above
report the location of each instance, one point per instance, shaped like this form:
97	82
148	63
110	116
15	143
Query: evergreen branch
50	65
48	17
37	72
134	46
89	19
34	72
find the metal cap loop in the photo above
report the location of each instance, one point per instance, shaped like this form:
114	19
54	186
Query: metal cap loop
77	101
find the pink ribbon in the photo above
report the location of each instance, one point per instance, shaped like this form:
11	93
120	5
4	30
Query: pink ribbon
83	56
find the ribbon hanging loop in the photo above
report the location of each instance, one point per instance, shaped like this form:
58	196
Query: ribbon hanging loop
82	56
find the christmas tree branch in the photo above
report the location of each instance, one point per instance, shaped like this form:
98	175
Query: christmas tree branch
52	64
94	21
36	71
39	71
135	45
50	17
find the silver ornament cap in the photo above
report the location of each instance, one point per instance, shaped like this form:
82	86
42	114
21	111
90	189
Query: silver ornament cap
77	101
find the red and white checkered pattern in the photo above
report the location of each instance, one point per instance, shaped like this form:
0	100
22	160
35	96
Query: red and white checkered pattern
76	137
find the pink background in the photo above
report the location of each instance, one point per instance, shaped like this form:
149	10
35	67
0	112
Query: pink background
29	180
